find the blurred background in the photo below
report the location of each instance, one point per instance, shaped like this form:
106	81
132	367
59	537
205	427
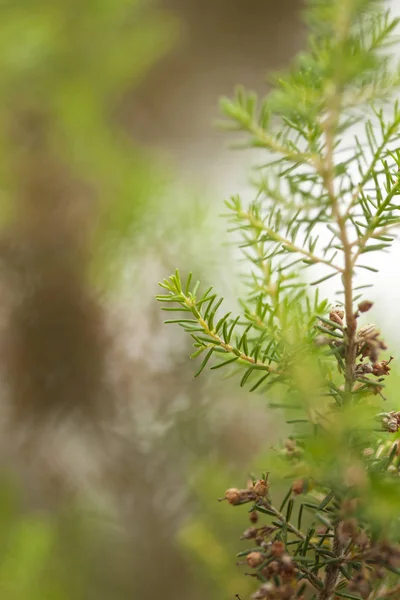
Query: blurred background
112	174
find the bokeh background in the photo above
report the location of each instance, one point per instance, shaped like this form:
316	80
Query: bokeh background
112	174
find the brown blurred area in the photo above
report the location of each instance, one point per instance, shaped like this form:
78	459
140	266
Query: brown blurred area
222	44
88	407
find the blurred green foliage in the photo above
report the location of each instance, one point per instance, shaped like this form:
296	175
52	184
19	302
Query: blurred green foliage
73	62
208	537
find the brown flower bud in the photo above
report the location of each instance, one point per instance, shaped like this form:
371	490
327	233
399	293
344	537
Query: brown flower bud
298	487
254	559
249	533
390	421
368	452
349	506
233	496
290	445
277	549
261	487
288	571
365	306
362	540
382	367
347	530
368	331
336	315
271	569
360	583
253	516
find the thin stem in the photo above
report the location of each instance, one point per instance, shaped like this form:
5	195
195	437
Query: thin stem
267	141
332	571
188	302
293	529
275	236
326	169
370	171
372	231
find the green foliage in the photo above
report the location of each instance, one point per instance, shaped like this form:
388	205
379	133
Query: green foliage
326	198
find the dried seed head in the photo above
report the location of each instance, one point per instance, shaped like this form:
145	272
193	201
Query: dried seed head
390	421
347	530
249	533
287	560
253	516
271	569
292	449
386	553
364	369
368	331
360	583
254	559
382	368
349	506
365	306
261	487
298	487
288	571
369	344
233	496
362	540
290	445
336	315
277	549
368	452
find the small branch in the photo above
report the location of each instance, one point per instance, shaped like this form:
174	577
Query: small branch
188	302
269	142
313	579
275	236
372	231
332	571
293	529
369	172
327	170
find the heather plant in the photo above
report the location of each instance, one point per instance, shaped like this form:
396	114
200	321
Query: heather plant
326	200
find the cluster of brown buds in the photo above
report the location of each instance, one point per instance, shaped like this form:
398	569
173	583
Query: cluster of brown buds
373	557
390	421
277	567
259	534
369	343
378	557
255	490
349	530
361	583
292	450
337	315
383	554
